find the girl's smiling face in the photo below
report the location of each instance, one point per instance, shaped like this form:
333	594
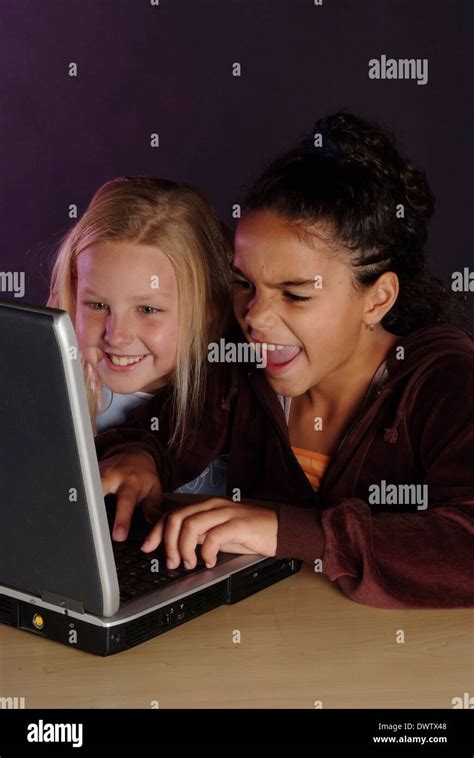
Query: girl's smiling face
127	328
291	294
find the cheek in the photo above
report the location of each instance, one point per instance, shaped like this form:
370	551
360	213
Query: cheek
162	339
323	326
239	301
87	327
333	334
81	327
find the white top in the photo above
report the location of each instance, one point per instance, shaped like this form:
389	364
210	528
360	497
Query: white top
285	403
116	407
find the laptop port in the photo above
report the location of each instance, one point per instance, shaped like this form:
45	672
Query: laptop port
38	621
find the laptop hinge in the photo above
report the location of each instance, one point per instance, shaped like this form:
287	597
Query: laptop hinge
63	602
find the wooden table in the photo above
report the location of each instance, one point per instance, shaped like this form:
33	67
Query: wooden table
301	641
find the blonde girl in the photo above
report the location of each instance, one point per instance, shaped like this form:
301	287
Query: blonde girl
144	278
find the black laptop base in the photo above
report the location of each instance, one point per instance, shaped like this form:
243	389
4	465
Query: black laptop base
107	640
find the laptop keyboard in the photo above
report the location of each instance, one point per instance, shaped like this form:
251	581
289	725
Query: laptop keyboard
139	573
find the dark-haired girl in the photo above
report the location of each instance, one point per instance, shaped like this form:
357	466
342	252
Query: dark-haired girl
359	431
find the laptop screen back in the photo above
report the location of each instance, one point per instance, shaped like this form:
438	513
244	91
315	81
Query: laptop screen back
54	538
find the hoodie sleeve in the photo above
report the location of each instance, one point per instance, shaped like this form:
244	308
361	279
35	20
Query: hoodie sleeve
415	559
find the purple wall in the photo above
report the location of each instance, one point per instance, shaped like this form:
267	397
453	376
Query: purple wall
168	69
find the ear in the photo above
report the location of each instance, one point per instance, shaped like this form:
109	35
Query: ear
380	297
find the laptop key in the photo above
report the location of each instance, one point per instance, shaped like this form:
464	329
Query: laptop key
157	581
140	588
131	593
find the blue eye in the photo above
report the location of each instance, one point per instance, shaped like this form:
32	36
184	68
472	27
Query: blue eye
96	306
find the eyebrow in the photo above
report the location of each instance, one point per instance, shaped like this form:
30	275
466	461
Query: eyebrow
289	283
136	298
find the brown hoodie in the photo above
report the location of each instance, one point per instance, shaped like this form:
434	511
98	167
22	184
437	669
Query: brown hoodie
393	520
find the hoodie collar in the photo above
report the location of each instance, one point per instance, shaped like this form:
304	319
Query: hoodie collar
421	349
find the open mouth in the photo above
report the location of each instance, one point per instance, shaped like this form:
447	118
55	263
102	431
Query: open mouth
278	355
124	361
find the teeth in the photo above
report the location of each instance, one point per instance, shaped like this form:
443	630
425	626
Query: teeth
119	361
268	345
262	345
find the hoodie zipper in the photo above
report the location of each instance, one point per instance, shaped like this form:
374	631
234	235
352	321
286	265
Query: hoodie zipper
375	382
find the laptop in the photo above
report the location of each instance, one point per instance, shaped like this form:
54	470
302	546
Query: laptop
62	577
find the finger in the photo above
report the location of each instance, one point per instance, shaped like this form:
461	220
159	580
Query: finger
183	511
216	539
204	505
236	547
175	524
192	529
126	503
110	481
155	535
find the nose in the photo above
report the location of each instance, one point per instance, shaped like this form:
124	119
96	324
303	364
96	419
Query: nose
118	331
259	314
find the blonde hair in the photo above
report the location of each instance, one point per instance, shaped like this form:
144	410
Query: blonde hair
178	219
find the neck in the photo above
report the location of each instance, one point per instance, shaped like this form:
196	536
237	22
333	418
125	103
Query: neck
342	393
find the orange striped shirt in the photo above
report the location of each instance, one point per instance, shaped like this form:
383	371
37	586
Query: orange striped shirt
313	464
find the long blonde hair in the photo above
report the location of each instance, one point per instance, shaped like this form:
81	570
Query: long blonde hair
178	219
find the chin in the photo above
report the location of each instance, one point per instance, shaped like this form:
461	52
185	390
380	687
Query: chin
124	390
285	386
121	383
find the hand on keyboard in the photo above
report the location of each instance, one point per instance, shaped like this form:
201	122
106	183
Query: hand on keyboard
139	573
133	478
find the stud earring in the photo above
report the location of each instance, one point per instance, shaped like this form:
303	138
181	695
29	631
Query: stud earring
371	326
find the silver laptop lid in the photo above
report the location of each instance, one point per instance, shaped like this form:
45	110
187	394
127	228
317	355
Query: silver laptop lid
54	536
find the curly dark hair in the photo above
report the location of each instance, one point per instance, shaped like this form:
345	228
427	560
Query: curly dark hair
352	178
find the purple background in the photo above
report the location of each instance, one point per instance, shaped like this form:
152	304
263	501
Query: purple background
168	69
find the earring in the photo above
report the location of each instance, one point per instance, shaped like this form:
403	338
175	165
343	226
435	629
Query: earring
371	326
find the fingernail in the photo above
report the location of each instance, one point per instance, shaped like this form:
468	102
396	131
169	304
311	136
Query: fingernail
169	563
187	565
119	533
209	565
